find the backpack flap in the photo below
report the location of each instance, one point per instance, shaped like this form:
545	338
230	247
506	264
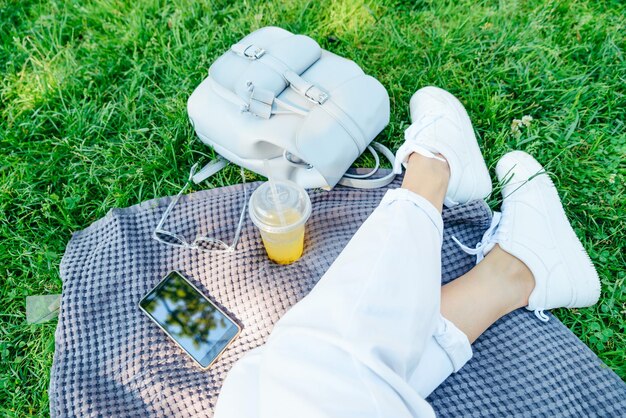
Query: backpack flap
254	68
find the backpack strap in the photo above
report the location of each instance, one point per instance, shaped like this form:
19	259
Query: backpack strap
210	169
362	181
356	181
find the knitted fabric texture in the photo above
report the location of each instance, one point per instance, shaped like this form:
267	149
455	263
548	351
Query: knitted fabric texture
111	360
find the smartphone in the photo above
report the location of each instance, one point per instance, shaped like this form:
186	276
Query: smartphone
189	318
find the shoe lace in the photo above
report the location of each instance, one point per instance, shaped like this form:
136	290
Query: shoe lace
486	242
540	313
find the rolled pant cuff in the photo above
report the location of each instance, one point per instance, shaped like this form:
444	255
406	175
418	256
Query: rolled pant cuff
454	342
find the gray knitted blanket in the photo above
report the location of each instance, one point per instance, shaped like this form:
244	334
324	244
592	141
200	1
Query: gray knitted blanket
111	361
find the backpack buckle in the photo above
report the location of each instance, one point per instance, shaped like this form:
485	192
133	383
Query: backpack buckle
253	52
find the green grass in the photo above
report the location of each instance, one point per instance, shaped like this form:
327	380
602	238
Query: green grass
93	117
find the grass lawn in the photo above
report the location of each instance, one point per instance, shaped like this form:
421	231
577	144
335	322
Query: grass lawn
93	116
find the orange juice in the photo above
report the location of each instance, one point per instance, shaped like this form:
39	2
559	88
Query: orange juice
284	248
280	216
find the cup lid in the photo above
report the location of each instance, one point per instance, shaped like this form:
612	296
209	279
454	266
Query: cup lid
291	208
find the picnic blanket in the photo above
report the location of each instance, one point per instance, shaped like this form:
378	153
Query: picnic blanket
112	361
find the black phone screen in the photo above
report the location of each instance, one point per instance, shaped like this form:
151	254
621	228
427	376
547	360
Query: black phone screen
189	318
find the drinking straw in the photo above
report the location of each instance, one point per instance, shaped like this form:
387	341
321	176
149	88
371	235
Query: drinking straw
279	208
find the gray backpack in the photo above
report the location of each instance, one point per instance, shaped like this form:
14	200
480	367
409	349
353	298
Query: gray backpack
278	103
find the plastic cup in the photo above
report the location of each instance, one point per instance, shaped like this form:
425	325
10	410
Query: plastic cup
280	215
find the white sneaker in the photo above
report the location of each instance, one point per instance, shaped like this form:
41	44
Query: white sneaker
441	125
534	228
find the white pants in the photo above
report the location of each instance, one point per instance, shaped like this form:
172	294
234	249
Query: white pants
369	340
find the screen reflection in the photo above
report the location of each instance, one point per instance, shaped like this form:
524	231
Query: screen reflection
189	318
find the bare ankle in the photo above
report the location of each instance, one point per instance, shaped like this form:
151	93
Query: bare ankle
439	166
515	275
427	177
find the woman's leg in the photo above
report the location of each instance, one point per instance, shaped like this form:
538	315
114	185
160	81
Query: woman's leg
349	347
534	259
496	286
